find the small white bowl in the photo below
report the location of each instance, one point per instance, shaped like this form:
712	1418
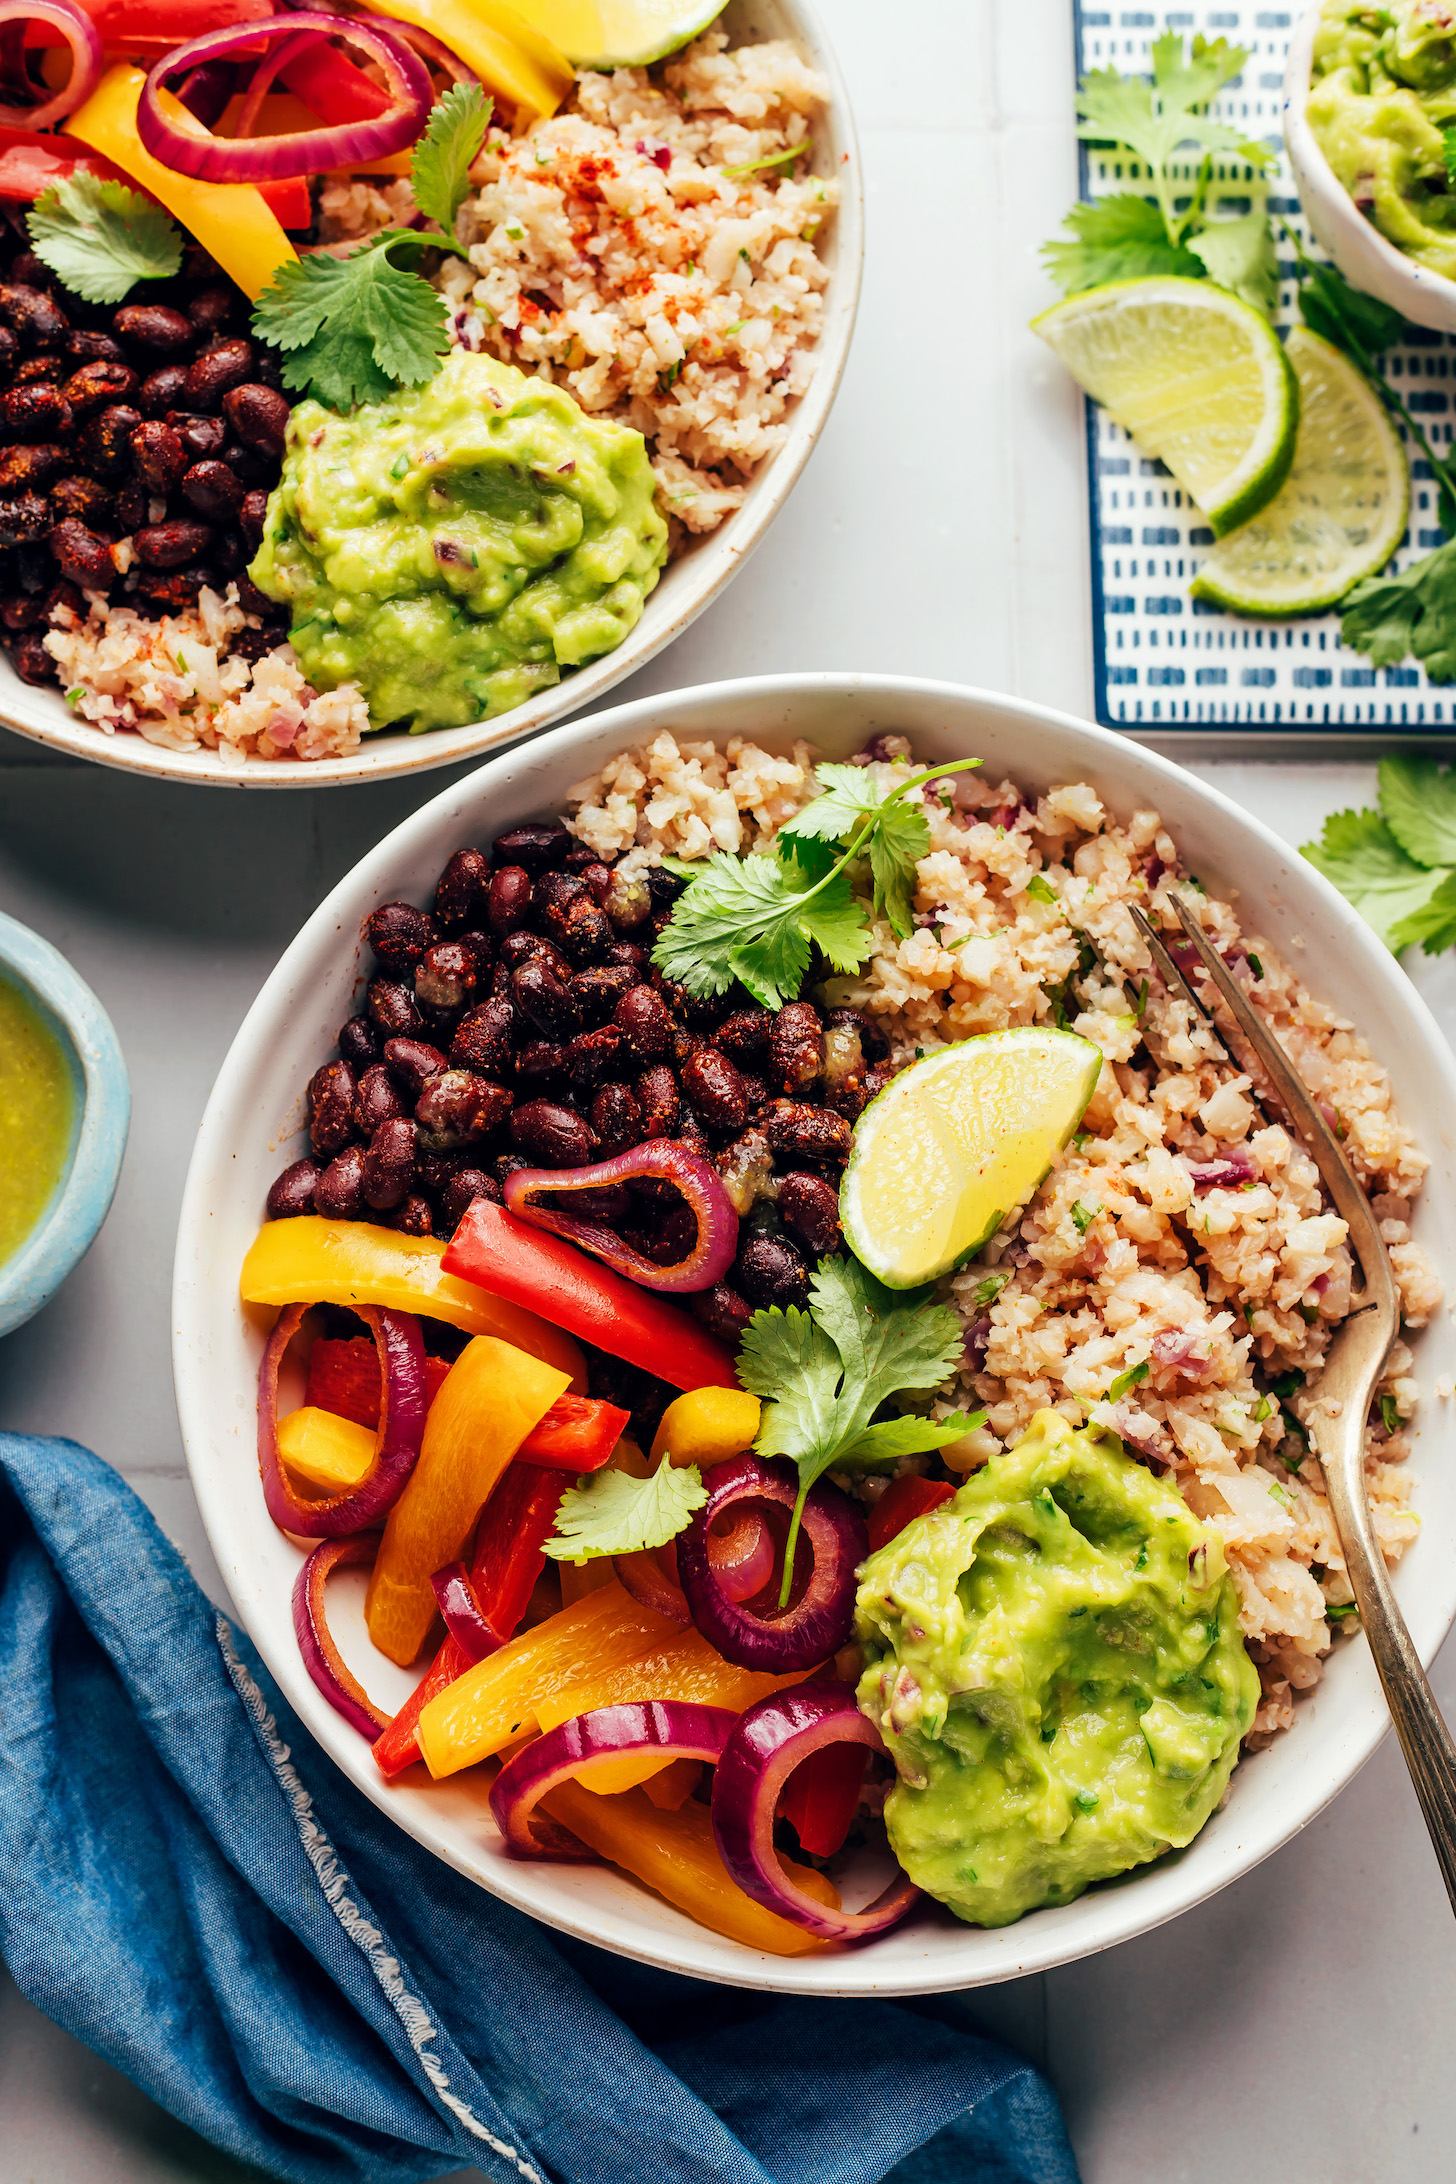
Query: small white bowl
690	584
249	1132
1366	258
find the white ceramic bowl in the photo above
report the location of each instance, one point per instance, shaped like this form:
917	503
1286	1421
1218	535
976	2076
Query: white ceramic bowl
690	584
1366	258
247	1136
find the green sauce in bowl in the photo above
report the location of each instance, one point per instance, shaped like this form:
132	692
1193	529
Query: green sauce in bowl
37	1117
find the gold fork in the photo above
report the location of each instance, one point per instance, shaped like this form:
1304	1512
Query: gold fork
1336	1423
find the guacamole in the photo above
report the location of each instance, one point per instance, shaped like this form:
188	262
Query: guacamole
1056	1667
1382	89
453	548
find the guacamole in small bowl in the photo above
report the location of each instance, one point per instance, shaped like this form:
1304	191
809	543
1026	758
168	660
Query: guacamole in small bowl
1382	94
453	548
1055	1665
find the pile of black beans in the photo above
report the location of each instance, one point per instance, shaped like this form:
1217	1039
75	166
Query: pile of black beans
160	421
519	1022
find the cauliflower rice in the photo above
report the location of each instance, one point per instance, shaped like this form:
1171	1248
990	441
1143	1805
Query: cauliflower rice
1180	1237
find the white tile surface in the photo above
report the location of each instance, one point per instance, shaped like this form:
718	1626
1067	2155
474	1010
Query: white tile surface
1300	2025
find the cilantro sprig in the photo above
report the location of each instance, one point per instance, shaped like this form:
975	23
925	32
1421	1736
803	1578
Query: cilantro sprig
824	1373
756	919
615	1514
100	238
352	329
1397	863
1130	236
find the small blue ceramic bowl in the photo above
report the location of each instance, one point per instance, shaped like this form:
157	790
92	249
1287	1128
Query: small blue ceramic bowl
82	1198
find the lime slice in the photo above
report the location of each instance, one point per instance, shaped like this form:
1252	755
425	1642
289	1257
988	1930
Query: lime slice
955	1143
1340	513
618	33
1196	376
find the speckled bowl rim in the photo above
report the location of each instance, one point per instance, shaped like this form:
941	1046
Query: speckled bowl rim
69	1227
685	588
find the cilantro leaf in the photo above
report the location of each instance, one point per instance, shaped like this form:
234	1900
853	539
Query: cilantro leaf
1433	922
900	838
1359	325
1389	616
1119	238
824	1373
1360	855
1154	119
441	162
100	238
614	1514
1418	804
1239	255
352	329
755	919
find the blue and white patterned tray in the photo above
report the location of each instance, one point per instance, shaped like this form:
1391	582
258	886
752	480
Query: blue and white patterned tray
1165	662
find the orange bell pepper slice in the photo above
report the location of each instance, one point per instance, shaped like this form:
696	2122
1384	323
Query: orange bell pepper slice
311	1260
488	1402
495	1702
231	220
675	1855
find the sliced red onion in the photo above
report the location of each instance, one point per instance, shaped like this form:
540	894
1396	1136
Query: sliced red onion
84	40
664	1160
308	151
465	1618
643	1576
767	1744
266	74
812	1627
321	1657
401	1425
1227	1172
740	1548
670	1727
428	46
977	1341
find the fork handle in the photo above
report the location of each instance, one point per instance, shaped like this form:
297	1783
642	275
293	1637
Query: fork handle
1430	1753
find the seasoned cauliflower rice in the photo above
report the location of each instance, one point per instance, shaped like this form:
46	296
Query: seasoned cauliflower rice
615	250
1181	1238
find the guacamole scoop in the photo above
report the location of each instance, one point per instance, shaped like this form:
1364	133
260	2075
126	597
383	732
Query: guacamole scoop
453	548
1382	89
1056	1668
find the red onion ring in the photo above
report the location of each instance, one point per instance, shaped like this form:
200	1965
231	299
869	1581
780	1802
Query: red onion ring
308	151
84	40
321	1657
401	1424
428	46
465	1618
742	1556
813	1627
266	74
665	1160
767	1744
671	1727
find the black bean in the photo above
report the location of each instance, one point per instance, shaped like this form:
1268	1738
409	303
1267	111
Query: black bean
259	416
213	490
597	992
220	368
85	345
399	935
39	412
643	1017
519	948
460	892
768	1270
33	664
458	1108
594	1057
392	1006
106	440
617	1119
339	1192
629	955
577	926
157	453
31	469
743	1036
162	390
539	1068
538	846
445	976
389	1165
552	1135
508	905
154	326
796	1046
723	1312
657	1097
482	1039
173	544
292	1192
24	517
378	1099
809	1205
21	610
461	1192
715	1088
331	1092
802	1132
81	555
202	437
413	1217
85	499
91	386
663	887
412	1062
359	1042
35	369
36	317
252	516
545	999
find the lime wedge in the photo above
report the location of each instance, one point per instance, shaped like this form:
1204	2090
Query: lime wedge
618	33
1340	513
1198	378
946	1152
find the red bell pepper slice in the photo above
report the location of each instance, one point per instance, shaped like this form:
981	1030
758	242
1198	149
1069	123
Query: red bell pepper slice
512	1259
903	1500
519	1518
821	1796
32	162
578	1433
334	88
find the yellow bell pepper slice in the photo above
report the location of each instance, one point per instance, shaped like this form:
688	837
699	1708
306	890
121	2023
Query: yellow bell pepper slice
674	1784
495	1702
510	58
231	220
675	1855
707	1426
487	1403
321	1449
314	1261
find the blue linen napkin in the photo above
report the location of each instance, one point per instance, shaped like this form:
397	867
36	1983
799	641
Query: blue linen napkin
193	1889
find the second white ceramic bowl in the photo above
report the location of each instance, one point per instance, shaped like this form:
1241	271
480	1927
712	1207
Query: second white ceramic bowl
249	1133
1366	258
